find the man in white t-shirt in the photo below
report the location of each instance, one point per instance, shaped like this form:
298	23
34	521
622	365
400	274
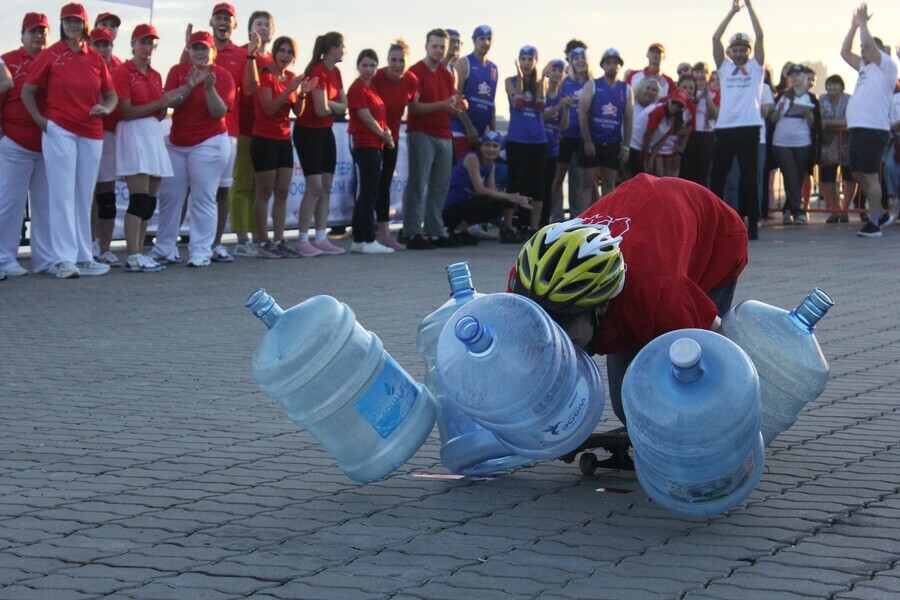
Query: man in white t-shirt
740	119
868	114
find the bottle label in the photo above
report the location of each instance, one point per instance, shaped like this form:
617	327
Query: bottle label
707	491
390	398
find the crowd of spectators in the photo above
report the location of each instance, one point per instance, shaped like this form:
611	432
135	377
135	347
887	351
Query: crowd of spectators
76	119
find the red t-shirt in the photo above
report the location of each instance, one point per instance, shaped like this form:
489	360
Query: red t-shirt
434	86
247	104
330	81
361	96
73	83
191	121
679	241
277	127
233	58
17	123
140	88
396	95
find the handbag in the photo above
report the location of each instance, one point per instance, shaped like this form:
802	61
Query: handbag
831	152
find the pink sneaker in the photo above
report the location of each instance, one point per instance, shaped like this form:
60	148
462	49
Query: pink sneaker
327	247
307	250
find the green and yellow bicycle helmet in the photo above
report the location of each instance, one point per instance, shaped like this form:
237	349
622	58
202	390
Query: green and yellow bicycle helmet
570	267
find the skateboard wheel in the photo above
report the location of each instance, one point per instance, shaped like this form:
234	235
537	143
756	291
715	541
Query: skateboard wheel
588	463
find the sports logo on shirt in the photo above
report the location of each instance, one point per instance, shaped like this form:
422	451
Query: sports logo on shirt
609	111
484	90
618	226
740	68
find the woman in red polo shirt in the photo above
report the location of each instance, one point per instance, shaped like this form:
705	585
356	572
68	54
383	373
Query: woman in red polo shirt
199	149
369	134
103	219
315	144
21	161
397	87
74	77
270	147
141	156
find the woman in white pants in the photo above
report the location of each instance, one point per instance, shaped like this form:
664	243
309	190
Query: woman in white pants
22	174
199	148
141	156
74	77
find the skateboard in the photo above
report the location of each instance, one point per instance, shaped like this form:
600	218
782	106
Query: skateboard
616	442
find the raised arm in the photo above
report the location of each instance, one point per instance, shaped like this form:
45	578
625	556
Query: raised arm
718	47
854	60
759	50
870	51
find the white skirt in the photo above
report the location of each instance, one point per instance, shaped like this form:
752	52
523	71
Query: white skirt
141	149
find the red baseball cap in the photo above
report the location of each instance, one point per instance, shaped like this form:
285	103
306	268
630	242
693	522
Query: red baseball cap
33	20
73	9
108	17
224	6
98	34
144	30
201	37
680	95
657	46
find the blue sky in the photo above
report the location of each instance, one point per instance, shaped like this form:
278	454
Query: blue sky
803	30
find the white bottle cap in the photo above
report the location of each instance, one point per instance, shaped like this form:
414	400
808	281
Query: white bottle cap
684	353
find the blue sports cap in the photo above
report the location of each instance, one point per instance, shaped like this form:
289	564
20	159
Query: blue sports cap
577	52
492	136
482	31
557	63
528	50
452	32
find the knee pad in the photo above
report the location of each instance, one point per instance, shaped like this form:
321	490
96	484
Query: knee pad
106	205
141	206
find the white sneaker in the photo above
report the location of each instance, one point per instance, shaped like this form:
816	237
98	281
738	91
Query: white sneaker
893	213
376	247
92	267
65	270
108	258
95	248
220	255
164	260
198	262
15	271
357	247
248	248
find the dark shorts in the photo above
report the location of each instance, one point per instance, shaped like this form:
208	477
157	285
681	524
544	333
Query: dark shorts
316	149
606	156
268	154
867	148
829	174
567	147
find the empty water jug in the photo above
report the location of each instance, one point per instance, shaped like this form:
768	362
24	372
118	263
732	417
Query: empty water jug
335	379
691	398
783	346
467	448
512	369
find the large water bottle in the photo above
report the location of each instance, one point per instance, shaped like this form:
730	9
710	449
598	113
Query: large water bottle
467	448
335	379
783	346
691	399
512	369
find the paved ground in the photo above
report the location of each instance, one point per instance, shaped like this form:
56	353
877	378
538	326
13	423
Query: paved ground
139	460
